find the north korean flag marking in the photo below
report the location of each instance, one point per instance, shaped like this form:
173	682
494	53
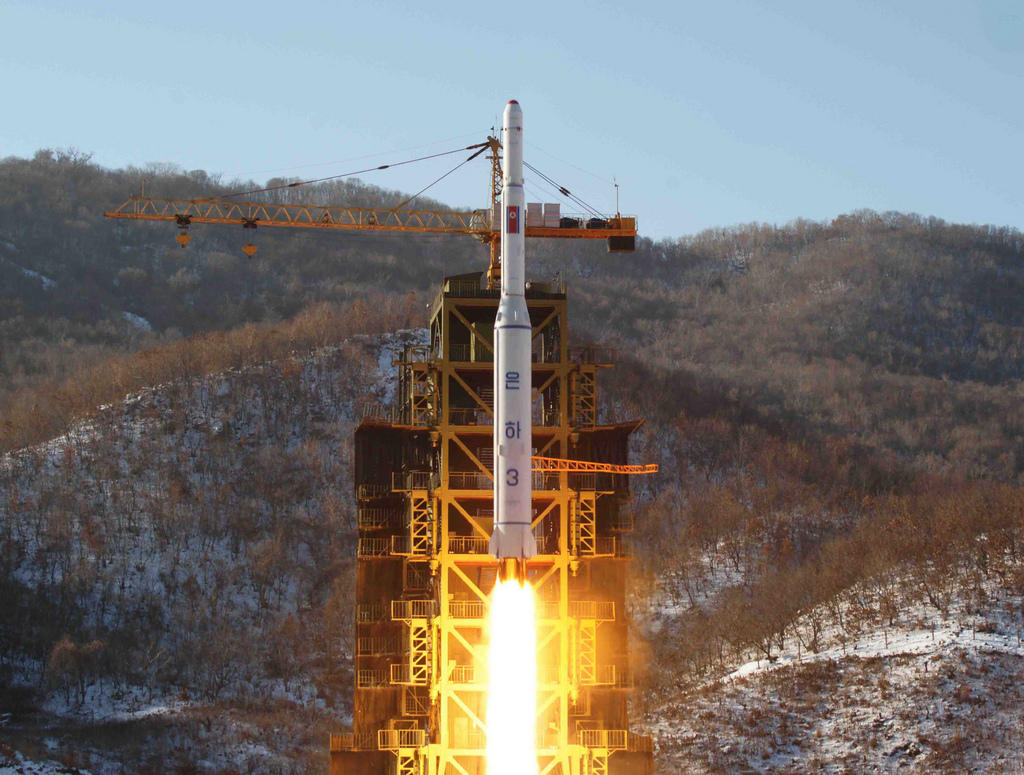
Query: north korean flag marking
512	219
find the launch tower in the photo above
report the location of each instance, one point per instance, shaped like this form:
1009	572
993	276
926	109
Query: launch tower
424	490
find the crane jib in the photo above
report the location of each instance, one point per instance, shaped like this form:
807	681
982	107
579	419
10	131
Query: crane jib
185	212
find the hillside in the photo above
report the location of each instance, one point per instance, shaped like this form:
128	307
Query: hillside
187	553
76	288
929	703
900	332
835	408
178	570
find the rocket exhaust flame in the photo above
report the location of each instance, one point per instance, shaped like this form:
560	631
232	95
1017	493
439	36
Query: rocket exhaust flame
512	569
512	695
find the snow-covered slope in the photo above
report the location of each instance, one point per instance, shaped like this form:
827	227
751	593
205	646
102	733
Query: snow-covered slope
917	690
193	546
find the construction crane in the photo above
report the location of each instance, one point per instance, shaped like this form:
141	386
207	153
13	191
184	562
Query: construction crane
619	231
484	225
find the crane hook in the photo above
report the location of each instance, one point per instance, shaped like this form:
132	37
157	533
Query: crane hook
183	222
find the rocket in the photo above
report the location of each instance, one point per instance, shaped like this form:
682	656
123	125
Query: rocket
512	537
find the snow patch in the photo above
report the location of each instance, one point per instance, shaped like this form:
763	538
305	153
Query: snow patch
137	321
946	637
47	283
16	764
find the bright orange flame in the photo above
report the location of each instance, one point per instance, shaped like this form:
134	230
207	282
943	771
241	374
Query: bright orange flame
512	697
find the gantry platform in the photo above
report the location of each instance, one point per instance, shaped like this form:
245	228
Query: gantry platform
424	486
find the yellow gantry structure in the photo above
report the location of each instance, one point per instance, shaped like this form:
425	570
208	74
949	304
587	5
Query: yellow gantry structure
424	485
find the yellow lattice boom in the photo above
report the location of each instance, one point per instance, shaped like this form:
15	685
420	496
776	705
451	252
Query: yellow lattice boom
587	466
619	231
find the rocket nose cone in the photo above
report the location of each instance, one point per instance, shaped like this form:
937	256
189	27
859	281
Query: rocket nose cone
513	102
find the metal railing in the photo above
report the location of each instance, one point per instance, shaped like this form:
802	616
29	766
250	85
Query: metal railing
619	547
479	353
477	416
598	610
463	674
539	417
392	739
377	646
612	677
373	679
373	546
543	480
547	609
370	518
475	353
370	613
593	481
468	740
400	545
468	544
404	610
615	740
413	480
379	412
469	289
370	490
467	609
545	354
402	675
412	353
616	547
604	675
624	522
605	546
348	741
469	480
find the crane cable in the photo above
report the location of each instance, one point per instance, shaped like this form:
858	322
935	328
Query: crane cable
298	183
449	172
563	191
478	147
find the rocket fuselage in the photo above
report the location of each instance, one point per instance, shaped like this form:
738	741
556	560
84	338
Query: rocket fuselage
512	536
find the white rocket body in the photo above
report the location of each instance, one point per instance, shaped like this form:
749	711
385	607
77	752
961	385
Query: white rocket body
512	537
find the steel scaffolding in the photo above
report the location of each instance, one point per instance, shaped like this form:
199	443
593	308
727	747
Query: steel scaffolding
423	483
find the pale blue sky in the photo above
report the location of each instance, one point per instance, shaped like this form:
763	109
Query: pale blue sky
707	113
